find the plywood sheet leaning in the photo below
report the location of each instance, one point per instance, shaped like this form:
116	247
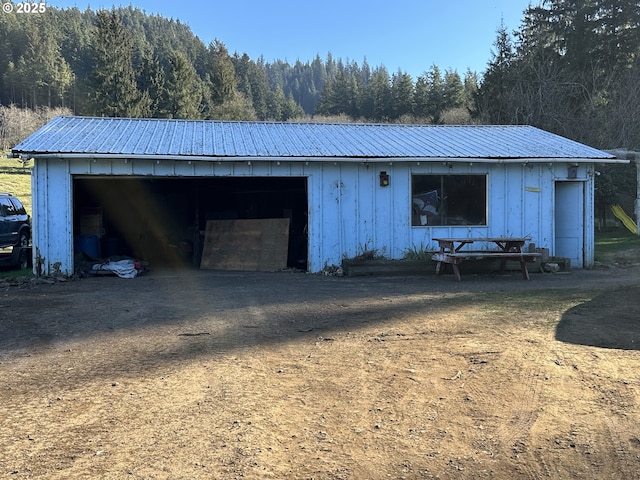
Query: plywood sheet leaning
252	244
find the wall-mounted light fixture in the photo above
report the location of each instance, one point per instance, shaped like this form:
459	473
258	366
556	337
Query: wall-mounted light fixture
572	172
384	179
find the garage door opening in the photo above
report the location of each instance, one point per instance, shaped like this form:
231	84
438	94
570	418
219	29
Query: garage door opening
163	220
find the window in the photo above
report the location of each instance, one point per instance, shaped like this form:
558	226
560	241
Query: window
6	207
448	200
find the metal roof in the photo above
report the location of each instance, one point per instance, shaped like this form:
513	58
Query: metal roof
71	136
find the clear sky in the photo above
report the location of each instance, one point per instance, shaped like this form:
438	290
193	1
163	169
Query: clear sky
407	35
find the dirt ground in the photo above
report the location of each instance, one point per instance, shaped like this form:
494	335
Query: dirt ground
226	375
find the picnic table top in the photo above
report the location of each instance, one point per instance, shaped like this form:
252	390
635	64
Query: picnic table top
488	239
483	253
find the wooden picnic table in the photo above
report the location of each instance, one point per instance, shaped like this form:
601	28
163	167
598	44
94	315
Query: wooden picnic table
508	248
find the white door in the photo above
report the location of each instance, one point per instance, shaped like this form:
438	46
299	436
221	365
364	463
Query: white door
569	222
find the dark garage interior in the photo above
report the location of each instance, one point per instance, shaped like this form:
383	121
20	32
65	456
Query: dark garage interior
162	221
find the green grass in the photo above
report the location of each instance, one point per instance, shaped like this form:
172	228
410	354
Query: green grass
418	252
8	273
16	179
609	242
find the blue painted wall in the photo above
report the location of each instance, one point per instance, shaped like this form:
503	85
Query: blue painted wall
349	212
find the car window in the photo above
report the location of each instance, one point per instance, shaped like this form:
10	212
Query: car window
19	209
7	207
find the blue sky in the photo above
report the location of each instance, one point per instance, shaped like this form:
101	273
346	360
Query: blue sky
407	35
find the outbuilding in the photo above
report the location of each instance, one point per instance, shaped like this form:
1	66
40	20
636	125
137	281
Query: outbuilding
151	187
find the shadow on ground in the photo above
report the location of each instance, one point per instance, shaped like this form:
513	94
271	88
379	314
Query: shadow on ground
610	320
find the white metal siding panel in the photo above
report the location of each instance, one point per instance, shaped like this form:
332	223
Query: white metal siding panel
512	192
314	220
327	207
365	207
545	237
386	219
348	222
52	208
393	208
532	202
347	209
589	227
185	169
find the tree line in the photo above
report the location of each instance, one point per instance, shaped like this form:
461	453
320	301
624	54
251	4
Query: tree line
572	67
123	62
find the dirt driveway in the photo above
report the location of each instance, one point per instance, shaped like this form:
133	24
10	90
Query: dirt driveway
221	375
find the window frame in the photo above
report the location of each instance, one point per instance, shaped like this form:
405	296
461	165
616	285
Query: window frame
417	218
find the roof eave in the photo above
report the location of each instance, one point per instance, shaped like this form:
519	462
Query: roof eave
218	158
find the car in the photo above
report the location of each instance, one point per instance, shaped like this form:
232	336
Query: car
15	224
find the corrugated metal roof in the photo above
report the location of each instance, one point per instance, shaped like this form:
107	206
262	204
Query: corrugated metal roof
128	137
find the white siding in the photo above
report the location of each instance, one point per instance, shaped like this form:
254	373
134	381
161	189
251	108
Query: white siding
349	212
52	218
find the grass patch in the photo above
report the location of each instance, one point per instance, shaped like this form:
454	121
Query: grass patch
15	178
418	252
8	274
608	244
540	307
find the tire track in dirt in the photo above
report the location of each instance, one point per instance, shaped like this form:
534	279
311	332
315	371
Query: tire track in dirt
617	393
217	384
503	426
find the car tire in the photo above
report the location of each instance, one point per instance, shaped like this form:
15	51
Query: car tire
23	260
23	240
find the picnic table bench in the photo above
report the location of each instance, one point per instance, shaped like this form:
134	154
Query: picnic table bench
452	252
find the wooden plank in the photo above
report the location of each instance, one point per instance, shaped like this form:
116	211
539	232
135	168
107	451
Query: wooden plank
250	245
456	258
508	255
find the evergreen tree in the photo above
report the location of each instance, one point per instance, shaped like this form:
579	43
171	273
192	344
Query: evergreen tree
377	104
340	96
114	82
291	109
493	95
151	81
275	104
41	73
402	94
236	108
453	90
221	73
319	80
241	65
436	101
260	91
471	86
183	89
568	71
75	39
421	97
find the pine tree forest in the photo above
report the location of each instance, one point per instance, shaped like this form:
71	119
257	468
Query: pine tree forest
572	67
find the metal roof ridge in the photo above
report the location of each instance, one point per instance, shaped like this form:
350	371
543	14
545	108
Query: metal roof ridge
310	123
